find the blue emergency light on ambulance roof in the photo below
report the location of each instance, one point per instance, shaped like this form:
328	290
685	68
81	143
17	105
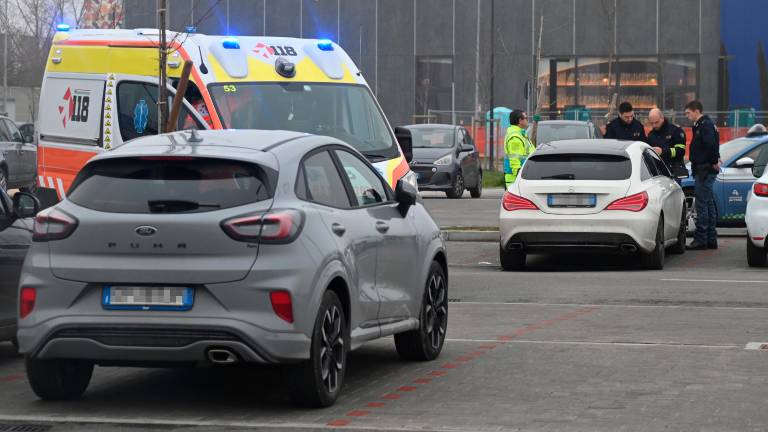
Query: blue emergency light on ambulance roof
230	43
325	45
62	27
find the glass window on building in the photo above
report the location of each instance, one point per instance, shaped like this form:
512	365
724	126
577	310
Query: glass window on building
560	74
596	82
680	79
434	81
639	82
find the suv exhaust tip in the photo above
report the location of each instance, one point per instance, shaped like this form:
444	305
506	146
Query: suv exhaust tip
222	356
628	248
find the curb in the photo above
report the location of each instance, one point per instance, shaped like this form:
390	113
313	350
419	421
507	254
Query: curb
471	236
486	236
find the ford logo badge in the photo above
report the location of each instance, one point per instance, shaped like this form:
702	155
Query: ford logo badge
146	230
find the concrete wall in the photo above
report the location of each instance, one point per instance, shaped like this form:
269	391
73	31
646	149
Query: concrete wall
385	36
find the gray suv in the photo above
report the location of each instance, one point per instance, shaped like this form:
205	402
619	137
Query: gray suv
223	247
18	158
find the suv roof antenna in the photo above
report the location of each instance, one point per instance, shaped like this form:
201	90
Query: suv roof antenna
194	136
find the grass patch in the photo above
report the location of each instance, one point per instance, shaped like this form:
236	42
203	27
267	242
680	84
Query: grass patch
493	179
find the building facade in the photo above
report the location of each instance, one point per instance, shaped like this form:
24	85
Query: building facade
431	57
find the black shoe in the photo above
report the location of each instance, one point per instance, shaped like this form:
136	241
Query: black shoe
696	246
712	245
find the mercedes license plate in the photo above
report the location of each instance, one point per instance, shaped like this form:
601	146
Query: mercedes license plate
147	298
571	200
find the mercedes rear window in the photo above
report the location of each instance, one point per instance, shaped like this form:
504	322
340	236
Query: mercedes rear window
577	167
170	185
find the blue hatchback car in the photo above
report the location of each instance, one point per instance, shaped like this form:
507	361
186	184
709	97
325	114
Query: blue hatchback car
734	181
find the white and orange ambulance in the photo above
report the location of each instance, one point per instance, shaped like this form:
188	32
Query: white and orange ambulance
100	89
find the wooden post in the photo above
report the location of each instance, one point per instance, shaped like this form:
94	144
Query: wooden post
173	119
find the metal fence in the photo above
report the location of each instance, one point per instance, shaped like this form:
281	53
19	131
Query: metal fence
732	124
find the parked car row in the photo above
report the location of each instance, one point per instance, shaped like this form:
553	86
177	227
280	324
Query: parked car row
18	157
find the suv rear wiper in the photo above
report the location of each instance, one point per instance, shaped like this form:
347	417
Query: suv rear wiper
560	177
176	206
370	156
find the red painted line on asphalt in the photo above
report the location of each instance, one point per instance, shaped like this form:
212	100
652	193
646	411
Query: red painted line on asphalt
338	422
9	378
465	358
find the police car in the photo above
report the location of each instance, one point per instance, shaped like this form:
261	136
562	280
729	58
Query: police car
734	182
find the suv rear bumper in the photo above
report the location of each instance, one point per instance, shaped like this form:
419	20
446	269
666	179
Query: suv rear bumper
161	341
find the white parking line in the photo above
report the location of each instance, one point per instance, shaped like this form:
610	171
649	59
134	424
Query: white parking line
588	343
140	421
757	346
602	306
715	280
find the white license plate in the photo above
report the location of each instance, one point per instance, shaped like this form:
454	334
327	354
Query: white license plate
147	298
571	200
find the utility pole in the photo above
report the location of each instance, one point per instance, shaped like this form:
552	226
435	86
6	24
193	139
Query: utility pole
162	98
493	123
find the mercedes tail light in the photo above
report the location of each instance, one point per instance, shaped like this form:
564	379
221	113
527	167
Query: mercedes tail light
760	189
512	202
53	224
27	298
281	304
276	226
633	203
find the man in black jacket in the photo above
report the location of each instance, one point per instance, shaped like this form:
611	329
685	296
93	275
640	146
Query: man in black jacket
625	126
667	140
705	165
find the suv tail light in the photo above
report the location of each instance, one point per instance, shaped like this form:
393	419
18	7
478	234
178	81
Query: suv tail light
512	202
53	224
633	203
281	304
761	189
27	298
276	226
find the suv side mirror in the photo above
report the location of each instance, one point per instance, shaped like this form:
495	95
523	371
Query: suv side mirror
745	162
405	140
406	196
25	205
466	148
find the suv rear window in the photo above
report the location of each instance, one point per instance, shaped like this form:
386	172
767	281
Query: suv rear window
577	167
170	185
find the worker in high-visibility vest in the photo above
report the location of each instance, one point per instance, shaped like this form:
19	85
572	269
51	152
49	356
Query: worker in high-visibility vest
517	146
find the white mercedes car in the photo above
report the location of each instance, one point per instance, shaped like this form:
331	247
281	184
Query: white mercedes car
757	213
593	195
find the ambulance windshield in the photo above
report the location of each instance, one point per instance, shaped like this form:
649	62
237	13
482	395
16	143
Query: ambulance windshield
346	112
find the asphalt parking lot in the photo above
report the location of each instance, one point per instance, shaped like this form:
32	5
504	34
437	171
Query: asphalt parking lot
574	343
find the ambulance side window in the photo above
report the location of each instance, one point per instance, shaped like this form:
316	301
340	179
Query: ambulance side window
137	111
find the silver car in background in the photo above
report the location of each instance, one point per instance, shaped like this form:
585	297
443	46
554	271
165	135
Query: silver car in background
18	158
225	247
593	195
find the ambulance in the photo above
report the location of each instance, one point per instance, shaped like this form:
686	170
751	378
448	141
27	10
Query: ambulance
100	90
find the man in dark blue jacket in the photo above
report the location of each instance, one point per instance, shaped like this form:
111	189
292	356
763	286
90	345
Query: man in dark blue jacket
705	165
625	126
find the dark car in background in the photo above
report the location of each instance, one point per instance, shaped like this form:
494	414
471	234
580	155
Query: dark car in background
15	238
18	158
560	130
445	159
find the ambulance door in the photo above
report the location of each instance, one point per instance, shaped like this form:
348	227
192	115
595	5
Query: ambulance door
71	108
